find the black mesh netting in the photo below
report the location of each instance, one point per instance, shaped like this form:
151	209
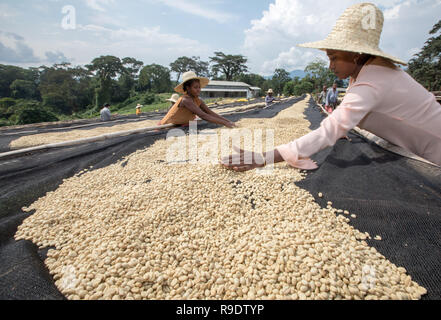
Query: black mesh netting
394	197
23	274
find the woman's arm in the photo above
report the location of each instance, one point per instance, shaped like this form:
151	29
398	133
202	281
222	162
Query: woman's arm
207	110
355	106
246	160
190	105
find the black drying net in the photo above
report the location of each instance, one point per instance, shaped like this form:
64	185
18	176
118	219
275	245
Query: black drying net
394	197
23	274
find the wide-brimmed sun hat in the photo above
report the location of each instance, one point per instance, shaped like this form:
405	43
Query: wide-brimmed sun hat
270	91
174	98
357	30
190	75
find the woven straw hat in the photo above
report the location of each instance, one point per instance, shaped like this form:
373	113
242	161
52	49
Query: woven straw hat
270	91
190	75
357	30
174	98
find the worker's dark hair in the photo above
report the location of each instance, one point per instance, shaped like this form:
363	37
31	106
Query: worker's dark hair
107	105
364	58
189	83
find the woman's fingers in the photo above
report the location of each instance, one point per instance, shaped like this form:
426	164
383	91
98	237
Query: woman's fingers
234	159
238	150
243	168
237	167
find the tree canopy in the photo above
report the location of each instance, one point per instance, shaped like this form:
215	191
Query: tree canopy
155	78
228	65
425	66
320	74
184	64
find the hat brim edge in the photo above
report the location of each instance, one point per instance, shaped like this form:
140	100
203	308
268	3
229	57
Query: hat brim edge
204	82
325	45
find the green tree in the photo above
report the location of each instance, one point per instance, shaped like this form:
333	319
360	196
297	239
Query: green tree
105	68
202	68
9	74
132	67
6	107
320	73
229	65
288	89
305	85
128	80
425	66
252	79
279	79
155	78
24	89
65	89
33	113
123	88
184	64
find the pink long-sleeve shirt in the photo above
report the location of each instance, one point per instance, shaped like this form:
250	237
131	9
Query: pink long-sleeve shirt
384	100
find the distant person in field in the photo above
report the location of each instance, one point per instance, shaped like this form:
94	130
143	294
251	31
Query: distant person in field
105	113
332	98
381	98
173	99
322	96
138	110
269	99
188	106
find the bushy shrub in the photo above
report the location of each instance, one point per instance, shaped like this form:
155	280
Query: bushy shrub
6	106
149	98
56	102
4	122
32	113
5	103
131	100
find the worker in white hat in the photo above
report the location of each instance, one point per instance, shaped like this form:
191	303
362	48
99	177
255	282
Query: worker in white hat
269	99
138	109
381	98
173	99
189	105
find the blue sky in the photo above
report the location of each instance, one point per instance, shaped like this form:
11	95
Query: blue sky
159	31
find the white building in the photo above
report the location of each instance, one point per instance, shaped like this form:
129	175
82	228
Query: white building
229	89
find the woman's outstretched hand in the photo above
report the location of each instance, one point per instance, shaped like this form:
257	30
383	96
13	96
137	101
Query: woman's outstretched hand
230	124
243	161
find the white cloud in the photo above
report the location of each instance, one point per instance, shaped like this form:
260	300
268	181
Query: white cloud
14	49
56	57
293	59
200	10
6	11
271	41
149	45
98	4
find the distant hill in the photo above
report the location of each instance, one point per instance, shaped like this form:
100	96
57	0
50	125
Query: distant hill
296	73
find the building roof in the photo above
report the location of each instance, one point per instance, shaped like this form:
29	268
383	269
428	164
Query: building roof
239	89
255	88
228	86
228	83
